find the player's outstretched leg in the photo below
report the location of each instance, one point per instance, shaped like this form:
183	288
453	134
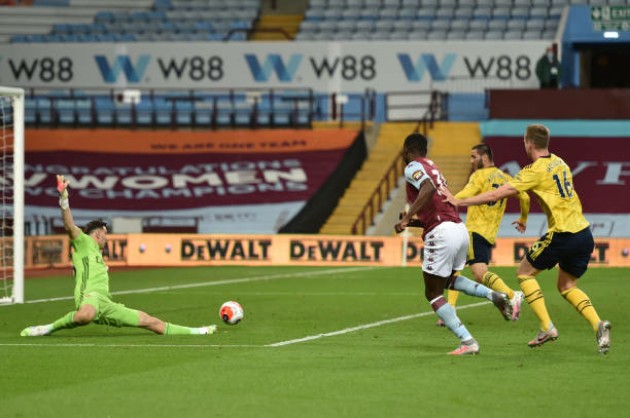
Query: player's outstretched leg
36	331
65	322
494	282
473	288
447	314
172	329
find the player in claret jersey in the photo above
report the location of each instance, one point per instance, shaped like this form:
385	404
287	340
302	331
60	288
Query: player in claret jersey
445	243
568	242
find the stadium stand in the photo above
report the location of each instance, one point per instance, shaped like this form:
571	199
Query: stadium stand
122	21
208	109
432	19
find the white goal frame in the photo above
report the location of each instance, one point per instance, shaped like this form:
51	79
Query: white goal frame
17	94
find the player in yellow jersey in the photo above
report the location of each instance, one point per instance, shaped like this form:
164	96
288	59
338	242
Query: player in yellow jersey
91	293
483	222
568	242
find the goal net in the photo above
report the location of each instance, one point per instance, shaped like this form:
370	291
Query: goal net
11	195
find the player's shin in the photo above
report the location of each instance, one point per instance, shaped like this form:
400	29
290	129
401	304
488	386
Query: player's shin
534	297
583	305
469	287
494	282
65	322
447	314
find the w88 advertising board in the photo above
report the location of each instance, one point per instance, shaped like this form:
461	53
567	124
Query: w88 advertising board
322	66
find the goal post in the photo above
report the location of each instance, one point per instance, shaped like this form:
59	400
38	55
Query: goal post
12	195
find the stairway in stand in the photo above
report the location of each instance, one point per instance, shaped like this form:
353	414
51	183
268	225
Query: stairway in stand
264	29
449	147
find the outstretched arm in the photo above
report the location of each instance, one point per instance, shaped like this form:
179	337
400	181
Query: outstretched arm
68	222
504	191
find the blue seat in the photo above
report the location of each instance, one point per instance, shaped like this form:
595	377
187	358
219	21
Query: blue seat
183	112
123	114
44	110
30	111
104	16
144	112
104	107
163	111
65	110
202	114
84	111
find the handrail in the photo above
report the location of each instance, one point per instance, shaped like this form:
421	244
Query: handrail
427	120
379	195
396	168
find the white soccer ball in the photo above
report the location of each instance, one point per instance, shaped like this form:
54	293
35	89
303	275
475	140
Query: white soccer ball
231	312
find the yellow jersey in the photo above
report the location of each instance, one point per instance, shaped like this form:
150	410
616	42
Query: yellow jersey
550	180
485	219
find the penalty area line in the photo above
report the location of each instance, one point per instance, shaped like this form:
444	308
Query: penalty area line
130	345
365	326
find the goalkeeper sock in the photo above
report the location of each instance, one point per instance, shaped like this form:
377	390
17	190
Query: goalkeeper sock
469	287
447	314
494	282
172	329
65	322
534	297
583	305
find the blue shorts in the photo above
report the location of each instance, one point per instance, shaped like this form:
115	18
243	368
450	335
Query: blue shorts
479	250
570	250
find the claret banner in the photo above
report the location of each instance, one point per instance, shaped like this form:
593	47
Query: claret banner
229	180
600	167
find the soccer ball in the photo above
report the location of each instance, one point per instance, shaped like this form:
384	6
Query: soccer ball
231	312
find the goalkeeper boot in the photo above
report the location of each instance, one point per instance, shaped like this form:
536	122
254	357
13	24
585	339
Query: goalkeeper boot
210	329
544	336
603	336
36	331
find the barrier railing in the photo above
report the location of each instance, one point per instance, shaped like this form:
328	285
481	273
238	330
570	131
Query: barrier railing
203	108
379	196
396	169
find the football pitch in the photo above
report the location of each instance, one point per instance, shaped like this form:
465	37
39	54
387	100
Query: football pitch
315	342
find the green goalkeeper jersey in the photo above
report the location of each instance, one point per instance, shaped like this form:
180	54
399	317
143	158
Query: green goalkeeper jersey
90	271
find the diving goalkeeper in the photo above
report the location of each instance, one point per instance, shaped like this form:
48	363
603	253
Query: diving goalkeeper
91	291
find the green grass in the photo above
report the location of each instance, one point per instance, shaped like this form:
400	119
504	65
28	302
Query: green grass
396	369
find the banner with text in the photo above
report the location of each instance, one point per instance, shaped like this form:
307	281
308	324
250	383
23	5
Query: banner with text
229	181
322	66
139	250
600	167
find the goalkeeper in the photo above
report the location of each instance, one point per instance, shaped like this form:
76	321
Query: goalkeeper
91	291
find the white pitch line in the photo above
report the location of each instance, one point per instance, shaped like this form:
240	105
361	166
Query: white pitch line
273	345
365	326
216	283
130	345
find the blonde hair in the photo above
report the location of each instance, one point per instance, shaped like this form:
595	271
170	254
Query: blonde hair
538	135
